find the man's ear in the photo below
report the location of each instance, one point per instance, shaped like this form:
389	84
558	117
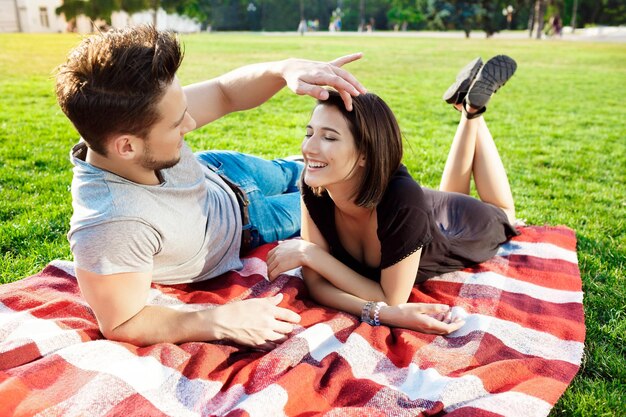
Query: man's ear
125	146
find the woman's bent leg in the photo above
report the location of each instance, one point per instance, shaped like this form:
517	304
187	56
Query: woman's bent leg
457	172
492	183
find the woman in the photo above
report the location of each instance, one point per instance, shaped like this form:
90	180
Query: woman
370	232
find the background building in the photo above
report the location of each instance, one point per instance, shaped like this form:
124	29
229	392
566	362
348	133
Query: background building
38	16
30	16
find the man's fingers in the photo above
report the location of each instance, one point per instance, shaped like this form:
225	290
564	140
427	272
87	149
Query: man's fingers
267	346
276	299
283	327
350	78
287	315
313	85
347	99
313	90
346	59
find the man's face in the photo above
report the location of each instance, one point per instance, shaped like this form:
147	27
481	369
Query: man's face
162	147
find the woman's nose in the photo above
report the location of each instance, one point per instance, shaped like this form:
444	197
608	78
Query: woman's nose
309	145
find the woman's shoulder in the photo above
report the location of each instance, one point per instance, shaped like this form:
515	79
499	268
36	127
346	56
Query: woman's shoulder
403	189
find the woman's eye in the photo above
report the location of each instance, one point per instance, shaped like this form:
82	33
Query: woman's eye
330	139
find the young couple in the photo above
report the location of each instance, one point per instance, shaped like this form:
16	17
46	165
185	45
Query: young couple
146	209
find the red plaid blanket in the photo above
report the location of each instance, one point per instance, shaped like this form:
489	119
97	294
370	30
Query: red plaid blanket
520	348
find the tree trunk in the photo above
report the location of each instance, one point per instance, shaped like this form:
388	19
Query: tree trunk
540	9
595	14
574	10
362	15
155	10
531	21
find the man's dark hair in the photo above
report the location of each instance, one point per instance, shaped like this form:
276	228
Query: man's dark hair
377	138
113	82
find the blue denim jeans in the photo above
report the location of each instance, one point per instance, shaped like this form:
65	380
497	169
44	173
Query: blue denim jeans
272	189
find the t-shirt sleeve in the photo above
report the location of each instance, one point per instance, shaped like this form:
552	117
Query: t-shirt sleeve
115	247
405	222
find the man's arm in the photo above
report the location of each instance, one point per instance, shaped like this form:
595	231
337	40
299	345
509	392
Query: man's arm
252	85
119	303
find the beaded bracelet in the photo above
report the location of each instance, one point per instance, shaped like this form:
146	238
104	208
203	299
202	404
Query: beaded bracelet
367	308
377	312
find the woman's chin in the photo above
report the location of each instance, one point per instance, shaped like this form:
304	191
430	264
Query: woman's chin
311	182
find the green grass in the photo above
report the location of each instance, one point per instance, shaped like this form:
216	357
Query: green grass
559	125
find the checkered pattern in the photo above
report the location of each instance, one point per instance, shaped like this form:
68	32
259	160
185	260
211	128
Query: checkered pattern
520	348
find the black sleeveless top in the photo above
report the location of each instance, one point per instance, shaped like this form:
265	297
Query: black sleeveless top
453	230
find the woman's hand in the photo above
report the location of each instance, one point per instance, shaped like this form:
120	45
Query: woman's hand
288	255
421	317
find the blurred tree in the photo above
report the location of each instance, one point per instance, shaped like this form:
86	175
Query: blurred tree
437	13
102	9
231	14
197	9
284	15
490	16
360	13
539	12
581	13
467	15
613	13
403	12
99	9
453	14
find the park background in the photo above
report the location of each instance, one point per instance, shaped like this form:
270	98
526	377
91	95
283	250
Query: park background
558	123
539	17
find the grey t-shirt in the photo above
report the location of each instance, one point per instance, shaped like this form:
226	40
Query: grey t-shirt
186	229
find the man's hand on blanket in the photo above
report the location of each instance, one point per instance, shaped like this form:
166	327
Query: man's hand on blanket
421	317
257	322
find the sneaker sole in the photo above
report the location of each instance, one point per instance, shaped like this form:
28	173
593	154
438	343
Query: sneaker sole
493	75
463	81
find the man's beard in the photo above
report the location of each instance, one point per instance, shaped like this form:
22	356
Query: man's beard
148	162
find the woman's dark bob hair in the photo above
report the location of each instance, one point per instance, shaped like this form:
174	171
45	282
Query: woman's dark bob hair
377	138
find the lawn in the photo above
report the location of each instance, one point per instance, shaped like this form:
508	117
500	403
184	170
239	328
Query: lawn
558	123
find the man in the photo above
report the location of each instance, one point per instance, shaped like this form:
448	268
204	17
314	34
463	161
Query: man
147	210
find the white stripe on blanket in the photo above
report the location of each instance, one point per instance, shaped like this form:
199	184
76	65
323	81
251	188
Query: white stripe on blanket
508	403
537	249
492	279
16	327
368	363
158	383
522	339
91	400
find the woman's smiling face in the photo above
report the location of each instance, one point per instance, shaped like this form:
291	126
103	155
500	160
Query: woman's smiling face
328	148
